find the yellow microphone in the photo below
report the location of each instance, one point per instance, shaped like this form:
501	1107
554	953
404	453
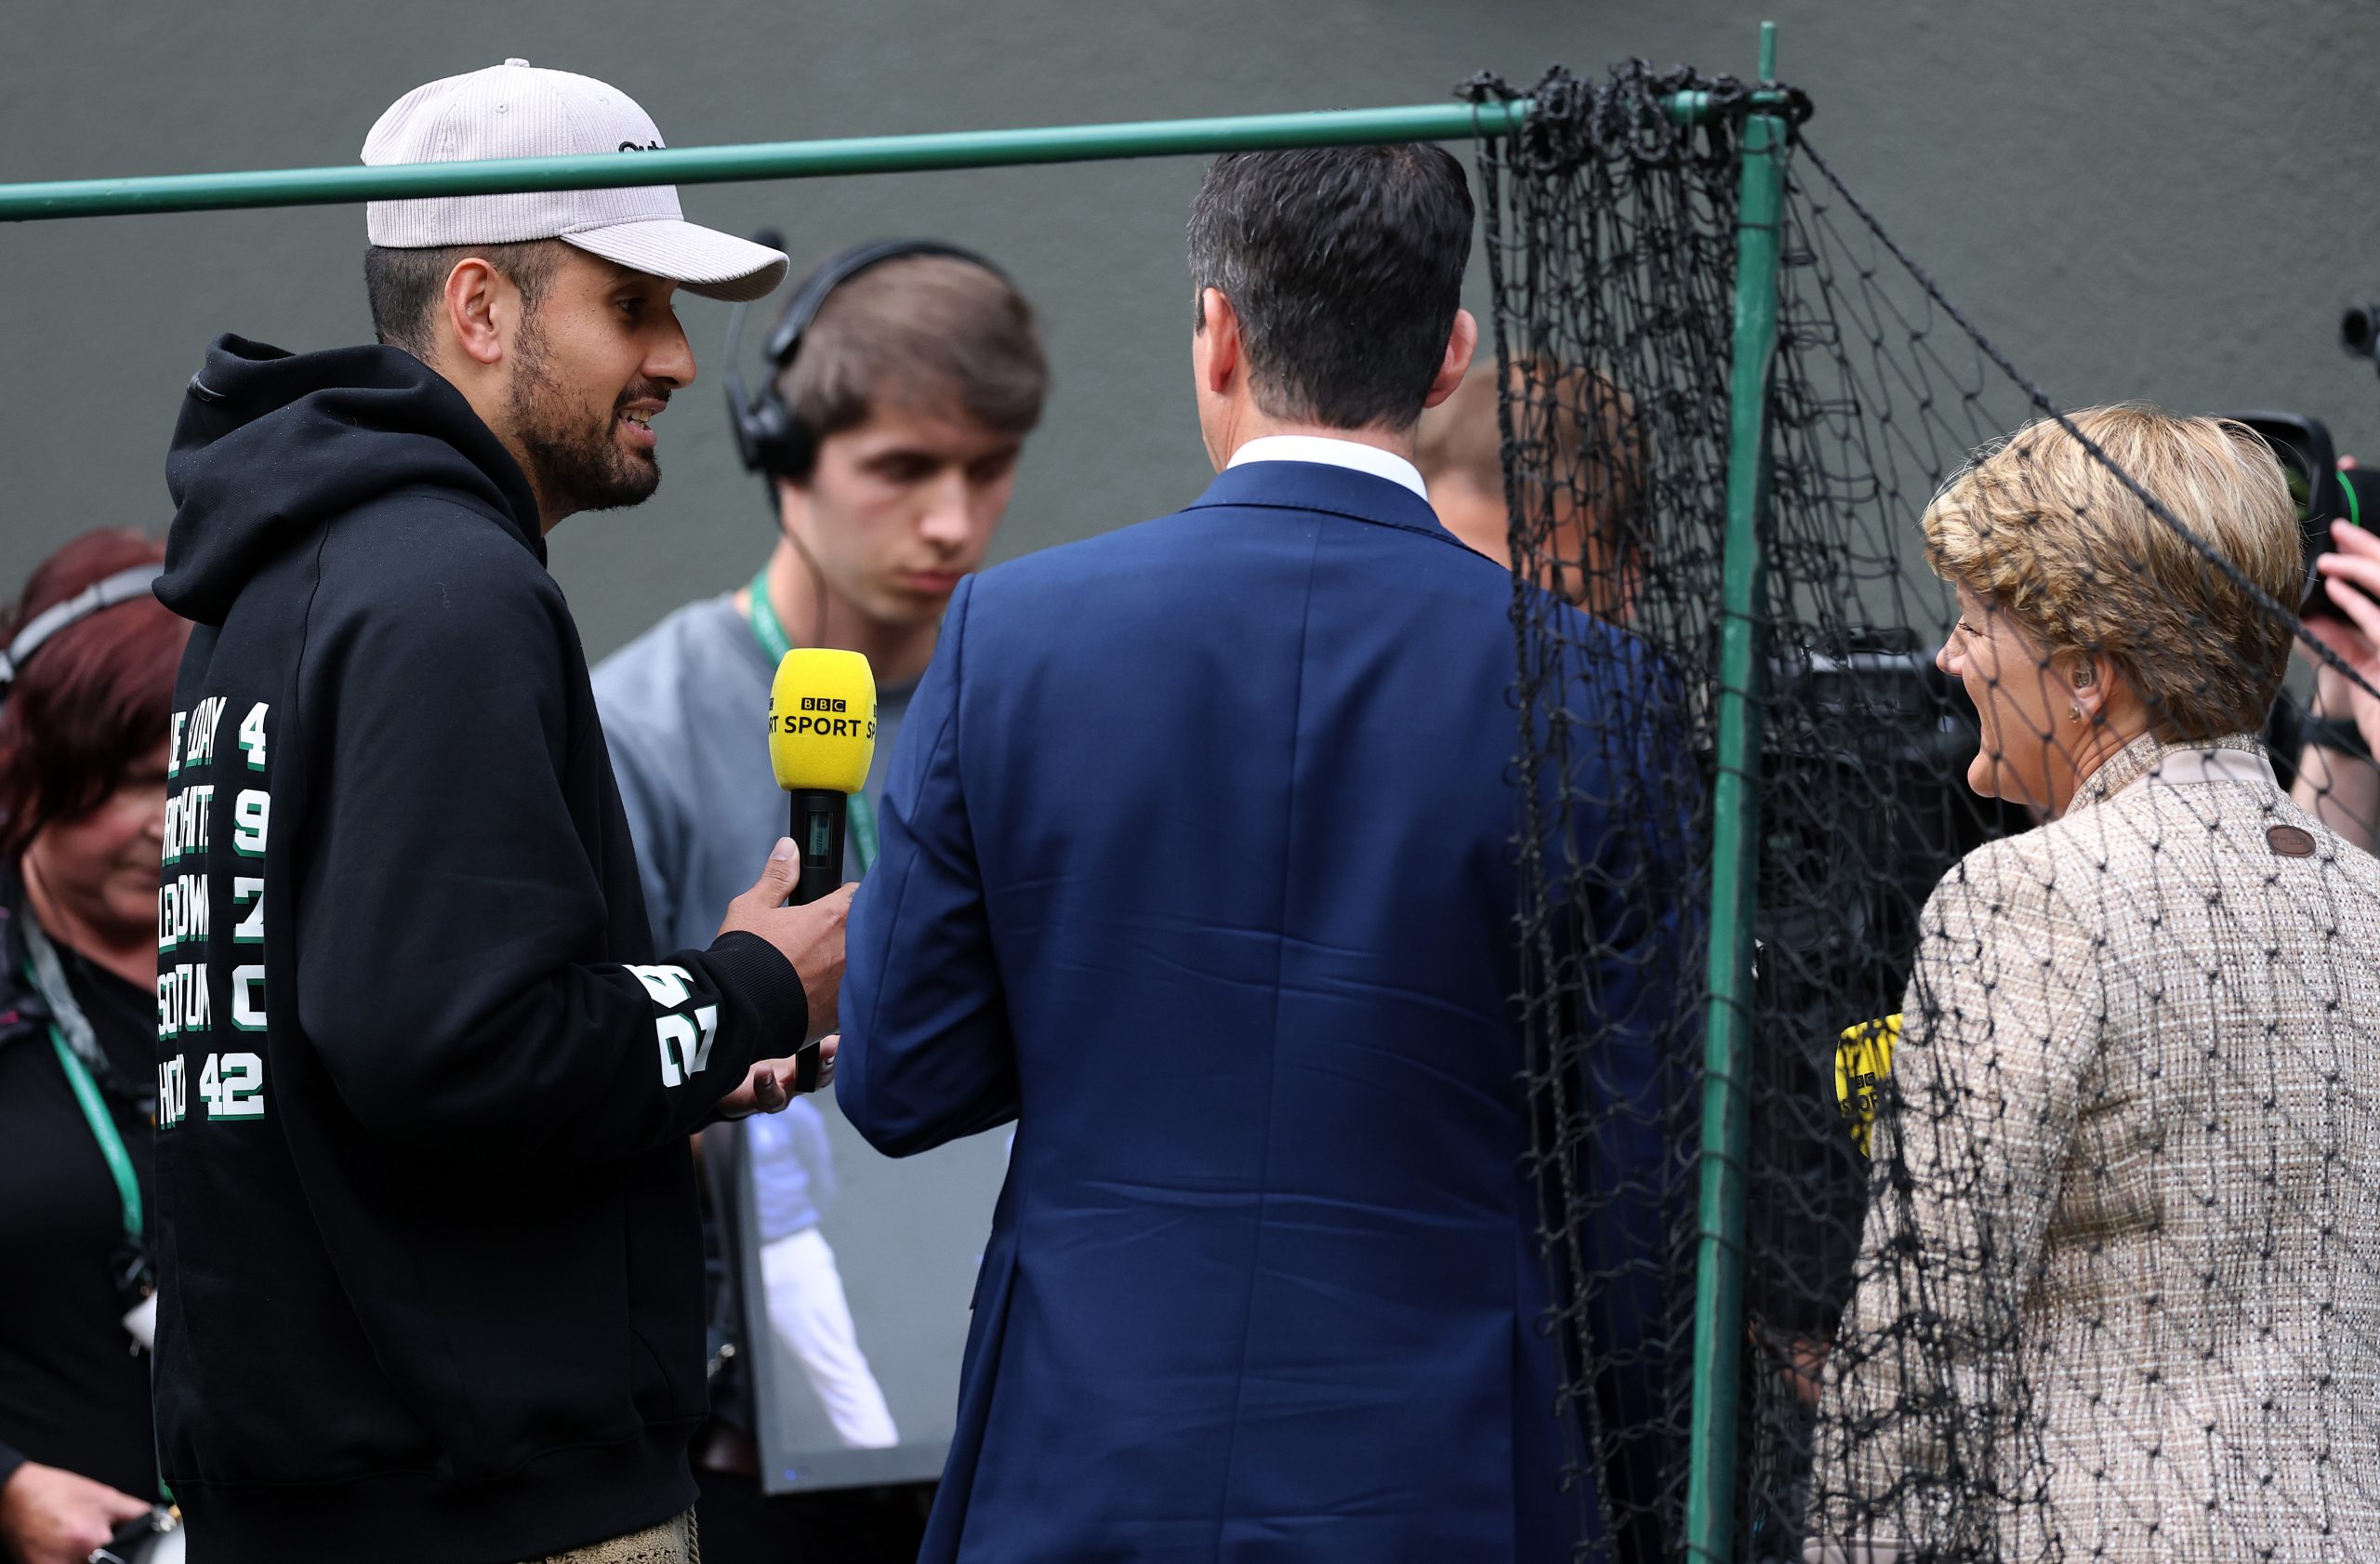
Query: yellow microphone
822	736
1863	1061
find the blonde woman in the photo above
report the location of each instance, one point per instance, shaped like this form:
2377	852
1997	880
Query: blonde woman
2119	1284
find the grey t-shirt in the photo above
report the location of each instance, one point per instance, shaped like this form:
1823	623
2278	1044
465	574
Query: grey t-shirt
685	714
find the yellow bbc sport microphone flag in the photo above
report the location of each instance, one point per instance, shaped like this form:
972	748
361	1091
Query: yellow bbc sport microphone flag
1863	1061
822	719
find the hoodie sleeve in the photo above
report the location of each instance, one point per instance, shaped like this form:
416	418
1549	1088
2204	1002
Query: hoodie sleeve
446	902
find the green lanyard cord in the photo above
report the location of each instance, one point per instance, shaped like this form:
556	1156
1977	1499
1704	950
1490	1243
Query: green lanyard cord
769	630
78	1076
863	829
93	1104
103	1130
119	1161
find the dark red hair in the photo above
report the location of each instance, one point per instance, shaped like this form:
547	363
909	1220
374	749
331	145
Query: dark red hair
94	698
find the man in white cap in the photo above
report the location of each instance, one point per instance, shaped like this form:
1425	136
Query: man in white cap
430	1273
561	336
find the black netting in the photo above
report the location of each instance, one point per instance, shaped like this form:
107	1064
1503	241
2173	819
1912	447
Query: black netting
2060	914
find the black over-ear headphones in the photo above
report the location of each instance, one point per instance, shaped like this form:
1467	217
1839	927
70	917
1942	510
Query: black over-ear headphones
771	439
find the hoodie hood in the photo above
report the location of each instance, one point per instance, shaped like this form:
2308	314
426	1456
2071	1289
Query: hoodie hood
270	445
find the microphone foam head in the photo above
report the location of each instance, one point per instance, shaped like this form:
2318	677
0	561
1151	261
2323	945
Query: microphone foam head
822	719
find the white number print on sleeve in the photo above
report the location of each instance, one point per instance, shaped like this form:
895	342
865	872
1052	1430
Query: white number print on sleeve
252	735
685	1043
250	818
685	1040
247	893
248	998
233	1086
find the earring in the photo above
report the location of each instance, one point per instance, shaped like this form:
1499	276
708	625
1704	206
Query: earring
2074	713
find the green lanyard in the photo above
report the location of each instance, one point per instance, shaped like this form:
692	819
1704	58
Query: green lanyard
769	630
41	957
102	1122
103	1130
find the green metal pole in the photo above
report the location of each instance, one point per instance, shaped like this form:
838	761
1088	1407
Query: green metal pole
765	160
779	160
1719	1262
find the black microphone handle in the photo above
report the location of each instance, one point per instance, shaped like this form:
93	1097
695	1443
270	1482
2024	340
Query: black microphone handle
817	830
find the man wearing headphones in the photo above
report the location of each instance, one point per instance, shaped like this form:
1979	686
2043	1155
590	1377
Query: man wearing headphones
904	376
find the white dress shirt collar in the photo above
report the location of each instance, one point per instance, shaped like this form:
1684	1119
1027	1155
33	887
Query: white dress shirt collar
1353	454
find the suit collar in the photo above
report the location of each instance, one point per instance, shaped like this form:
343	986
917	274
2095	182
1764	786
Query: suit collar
1330	451
1305	485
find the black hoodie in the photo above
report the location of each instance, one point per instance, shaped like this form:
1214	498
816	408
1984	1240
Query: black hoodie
431	1284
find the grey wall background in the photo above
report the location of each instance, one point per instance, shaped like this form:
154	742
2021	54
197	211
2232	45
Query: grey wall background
2166	200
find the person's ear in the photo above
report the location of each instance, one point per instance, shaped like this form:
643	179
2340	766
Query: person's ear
2088	689
1215	346
478	306
1462	342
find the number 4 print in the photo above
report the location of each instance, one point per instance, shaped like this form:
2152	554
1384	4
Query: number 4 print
252	734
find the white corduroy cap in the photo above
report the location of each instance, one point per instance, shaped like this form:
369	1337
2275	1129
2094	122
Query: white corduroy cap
516	109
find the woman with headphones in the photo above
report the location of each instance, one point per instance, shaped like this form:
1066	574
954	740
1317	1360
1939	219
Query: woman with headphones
86	682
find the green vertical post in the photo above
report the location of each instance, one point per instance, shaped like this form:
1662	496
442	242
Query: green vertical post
1735	852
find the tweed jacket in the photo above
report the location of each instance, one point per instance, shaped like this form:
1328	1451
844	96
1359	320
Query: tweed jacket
2119	1284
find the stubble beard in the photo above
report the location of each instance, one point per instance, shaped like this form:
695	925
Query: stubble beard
576	466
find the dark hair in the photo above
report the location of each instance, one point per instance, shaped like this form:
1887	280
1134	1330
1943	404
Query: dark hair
925	332
404	286
96	697
1345	266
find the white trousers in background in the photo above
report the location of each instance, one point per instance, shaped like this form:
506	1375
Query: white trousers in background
813	1320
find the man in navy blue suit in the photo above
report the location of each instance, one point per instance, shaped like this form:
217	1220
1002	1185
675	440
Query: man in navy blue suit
1198	865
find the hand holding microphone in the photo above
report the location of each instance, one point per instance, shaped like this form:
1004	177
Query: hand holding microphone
822	738
810	937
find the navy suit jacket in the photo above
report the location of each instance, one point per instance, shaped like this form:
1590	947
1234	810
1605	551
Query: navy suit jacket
1198	863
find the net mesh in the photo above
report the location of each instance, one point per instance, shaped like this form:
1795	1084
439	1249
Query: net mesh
2063	1237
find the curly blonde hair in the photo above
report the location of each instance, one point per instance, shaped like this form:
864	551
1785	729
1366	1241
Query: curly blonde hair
2045	533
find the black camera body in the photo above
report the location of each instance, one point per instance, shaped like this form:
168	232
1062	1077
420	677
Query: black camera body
2323	491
